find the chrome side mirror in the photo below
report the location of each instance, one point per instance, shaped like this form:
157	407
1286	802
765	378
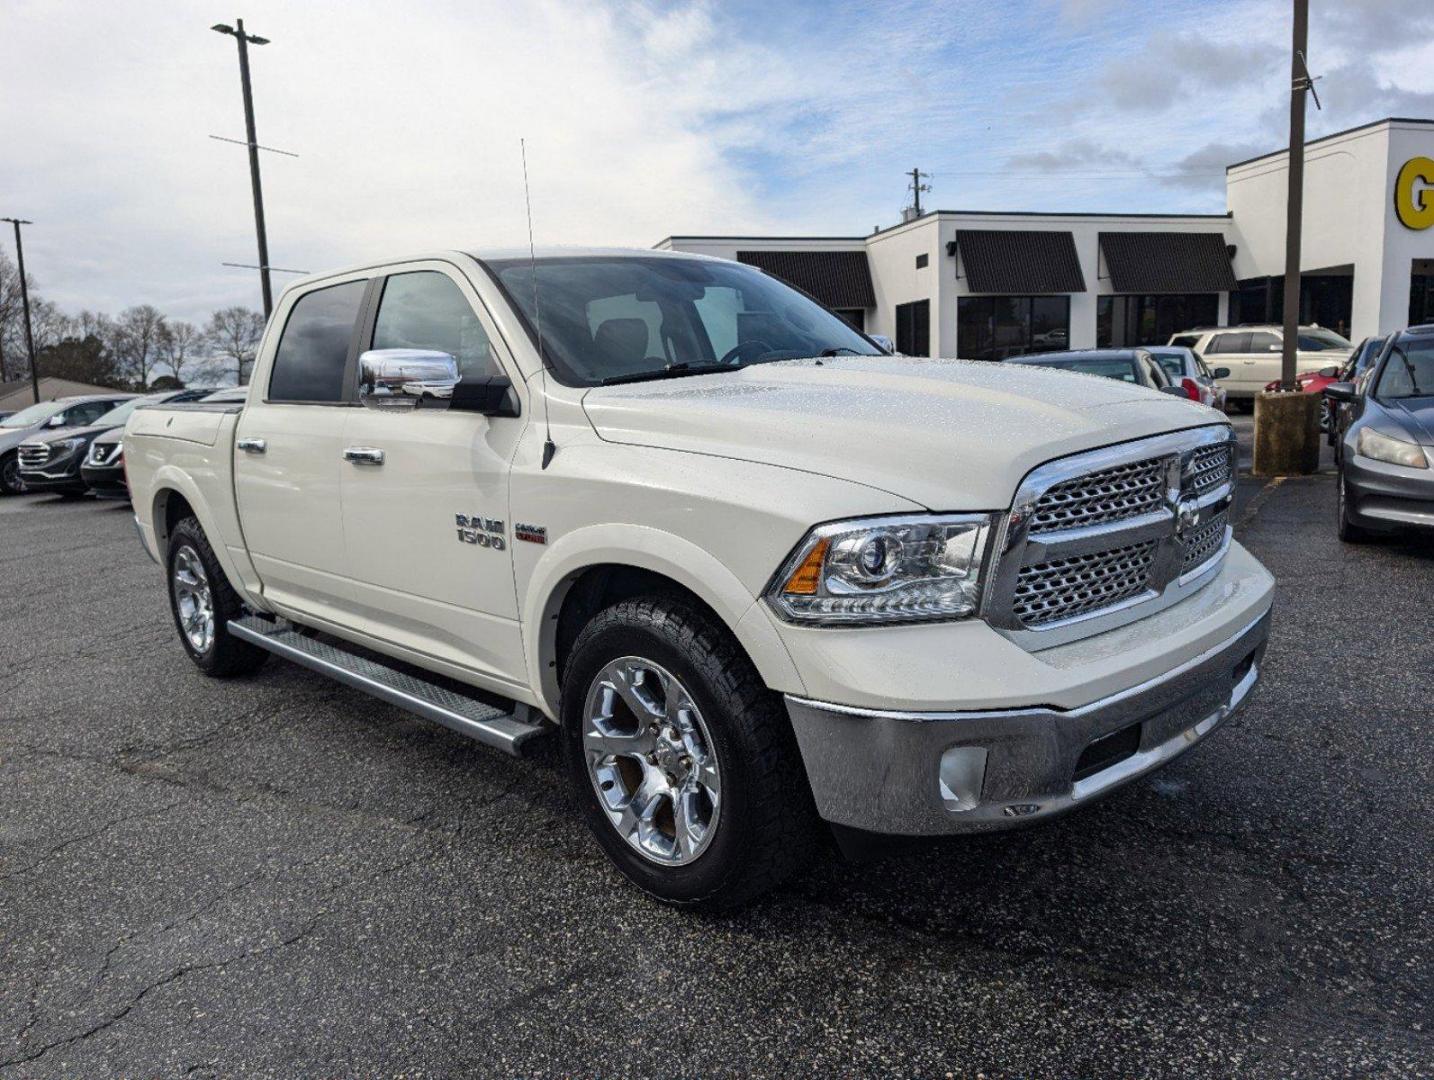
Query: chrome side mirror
1174	391
401	378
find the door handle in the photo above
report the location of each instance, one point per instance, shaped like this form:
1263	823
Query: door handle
363	455
252	446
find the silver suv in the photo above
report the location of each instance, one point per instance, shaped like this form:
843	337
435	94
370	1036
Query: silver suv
1253	353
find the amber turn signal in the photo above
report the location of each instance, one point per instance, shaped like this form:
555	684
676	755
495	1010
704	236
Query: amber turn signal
808	575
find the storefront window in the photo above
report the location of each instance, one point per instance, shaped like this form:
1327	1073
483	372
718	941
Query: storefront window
995	327
1421	299
1151	320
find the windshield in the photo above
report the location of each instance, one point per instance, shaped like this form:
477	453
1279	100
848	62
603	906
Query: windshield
1408	371
1317	340
1109	367
627	317
33	415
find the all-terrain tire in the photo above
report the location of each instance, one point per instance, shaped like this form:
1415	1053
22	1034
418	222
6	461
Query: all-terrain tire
767	828
223	655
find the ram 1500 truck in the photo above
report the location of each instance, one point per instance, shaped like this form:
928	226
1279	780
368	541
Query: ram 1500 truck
764	581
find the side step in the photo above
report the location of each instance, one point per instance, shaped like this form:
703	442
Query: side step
463	714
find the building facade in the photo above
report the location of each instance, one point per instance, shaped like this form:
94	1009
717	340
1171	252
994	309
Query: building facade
991	285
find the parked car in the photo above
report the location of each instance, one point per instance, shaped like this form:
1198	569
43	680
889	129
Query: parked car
52	461
687	530
1386	459
1127	365
45	417
1366	354
1189	372
102	468
1255	354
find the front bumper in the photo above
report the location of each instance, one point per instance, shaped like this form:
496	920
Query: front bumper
930	773
53	480
107	481
1381	495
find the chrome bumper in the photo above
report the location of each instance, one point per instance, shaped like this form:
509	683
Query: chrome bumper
928	774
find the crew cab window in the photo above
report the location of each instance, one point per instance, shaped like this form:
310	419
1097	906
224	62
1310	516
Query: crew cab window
1228	343
309	366
427	310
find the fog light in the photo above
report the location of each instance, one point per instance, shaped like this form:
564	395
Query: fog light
963	772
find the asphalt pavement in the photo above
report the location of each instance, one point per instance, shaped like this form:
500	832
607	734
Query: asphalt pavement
278	876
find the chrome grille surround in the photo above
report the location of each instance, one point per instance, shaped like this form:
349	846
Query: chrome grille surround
33	455
1091	543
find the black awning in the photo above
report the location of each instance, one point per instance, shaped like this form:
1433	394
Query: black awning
1019	261
1167	262
839	279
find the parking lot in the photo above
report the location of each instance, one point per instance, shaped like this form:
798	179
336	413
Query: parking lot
279	876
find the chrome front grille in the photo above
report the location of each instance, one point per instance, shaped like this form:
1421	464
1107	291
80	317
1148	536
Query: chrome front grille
34	455
1202	544
1066	588
1210	467
1124	491
1108	536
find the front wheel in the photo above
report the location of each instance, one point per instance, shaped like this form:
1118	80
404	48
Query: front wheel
1349	532
203	602
682	761
11	483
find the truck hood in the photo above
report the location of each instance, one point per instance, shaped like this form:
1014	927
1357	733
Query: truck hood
947	434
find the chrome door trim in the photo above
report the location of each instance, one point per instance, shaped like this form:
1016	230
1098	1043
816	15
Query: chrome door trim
363	455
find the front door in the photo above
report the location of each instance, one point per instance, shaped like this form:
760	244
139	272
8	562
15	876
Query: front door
288	455
426	520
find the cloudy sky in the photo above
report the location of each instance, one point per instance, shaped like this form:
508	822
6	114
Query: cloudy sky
642	120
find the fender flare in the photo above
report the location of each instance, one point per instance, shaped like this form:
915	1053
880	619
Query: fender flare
660	552
170	478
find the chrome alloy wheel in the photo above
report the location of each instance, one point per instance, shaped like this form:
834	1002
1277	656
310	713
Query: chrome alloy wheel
193	599
651	760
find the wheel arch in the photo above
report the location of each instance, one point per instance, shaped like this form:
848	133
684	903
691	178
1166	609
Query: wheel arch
175	496
594	568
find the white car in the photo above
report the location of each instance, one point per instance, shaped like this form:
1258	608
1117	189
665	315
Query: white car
1254	355
757	576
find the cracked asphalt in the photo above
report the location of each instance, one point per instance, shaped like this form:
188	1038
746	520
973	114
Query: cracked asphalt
280	877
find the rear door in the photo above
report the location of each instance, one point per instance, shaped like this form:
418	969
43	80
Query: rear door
427	523
1232	350
289	452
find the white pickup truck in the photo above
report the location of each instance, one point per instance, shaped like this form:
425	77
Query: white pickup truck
765	582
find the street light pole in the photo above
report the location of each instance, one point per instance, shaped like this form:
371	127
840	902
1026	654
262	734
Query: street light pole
25	304
1294	210
245	40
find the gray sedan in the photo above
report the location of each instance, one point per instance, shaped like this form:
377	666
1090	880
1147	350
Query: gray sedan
1386	459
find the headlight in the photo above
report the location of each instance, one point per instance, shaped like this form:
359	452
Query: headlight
882	570
68	446
1372	444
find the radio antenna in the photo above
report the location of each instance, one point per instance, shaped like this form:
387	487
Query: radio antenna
548	448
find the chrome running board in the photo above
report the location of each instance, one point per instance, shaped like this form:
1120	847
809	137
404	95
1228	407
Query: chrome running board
465	715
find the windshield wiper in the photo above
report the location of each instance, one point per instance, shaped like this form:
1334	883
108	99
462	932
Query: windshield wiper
837	350
671	371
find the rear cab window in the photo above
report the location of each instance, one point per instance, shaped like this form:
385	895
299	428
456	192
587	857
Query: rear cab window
314	349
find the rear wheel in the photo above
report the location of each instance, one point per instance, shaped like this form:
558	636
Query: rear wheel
11	482
682	761
203	602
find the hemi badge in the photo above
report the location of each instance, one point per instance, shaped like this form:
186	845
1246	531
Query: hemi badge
534	534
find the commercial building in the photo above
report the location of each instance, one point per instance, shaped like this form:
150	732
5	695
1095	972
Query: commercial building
991	285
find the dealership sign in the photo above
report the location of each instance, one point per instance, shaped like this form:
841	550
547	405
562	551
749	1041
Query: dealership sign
1413	199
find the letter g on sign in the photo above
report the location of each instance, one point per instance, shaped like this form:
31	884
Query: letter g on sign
1413	200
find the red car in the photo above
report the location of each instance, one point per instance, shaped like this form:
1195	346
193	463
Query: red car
1314	382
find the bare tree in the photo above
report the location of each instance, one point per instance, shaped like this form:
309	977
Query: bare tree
179	342
13	360
233	334
137	342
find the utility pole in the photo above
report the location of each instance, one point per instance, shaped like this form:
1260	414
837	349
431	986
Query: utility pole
1300	82
245	40
25	304
917	187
